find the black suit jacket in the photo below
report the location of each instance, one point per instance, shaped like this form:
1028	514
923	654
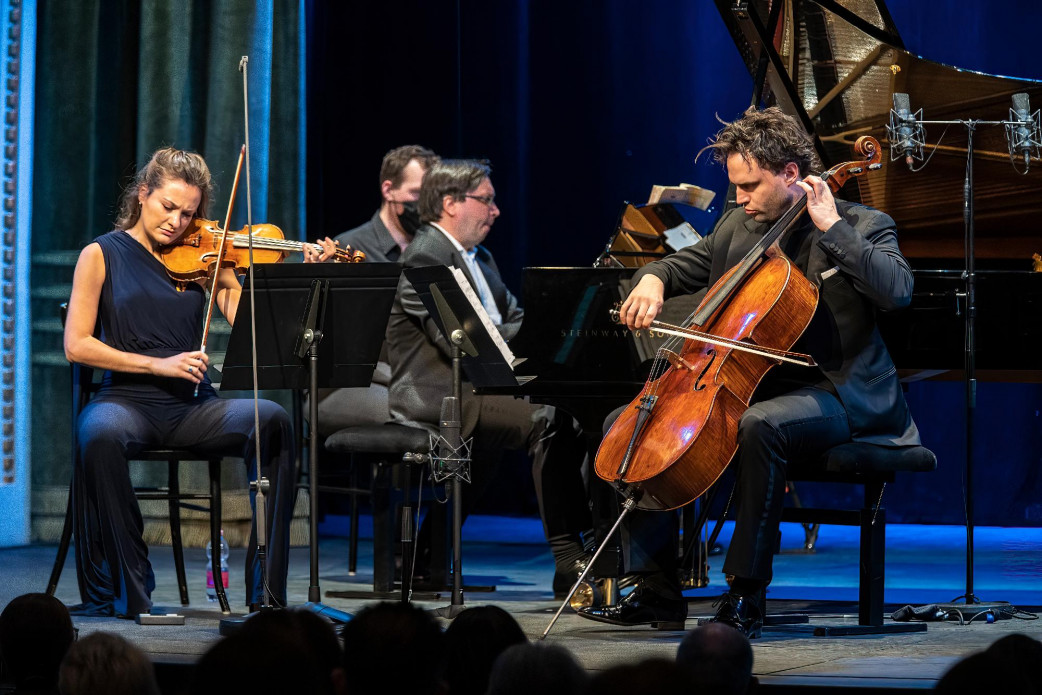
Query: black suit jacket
864	272
420	357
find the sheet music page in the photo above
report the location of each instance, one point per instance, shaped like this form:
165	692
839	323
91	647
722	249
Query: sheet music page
681	236
479	309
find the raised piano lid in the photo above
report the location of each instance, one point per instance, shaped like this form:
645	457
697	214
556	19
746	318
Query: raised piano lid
836	65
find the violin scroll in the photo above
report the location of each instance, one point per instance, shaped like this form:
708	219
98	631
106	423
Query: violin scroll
349	255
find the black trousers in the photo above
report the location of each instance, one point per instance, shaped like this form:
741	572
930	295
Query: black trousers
555	444
112	564
802	423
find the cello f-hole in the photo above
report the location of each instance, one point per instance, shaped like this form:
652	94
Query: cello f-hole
698	382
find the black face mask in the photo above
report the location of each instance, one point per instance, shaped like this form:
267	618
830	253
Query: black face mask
410	217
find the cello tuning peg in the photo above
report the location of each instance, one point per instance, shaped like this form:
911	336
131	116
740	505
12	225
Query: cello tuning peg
874	167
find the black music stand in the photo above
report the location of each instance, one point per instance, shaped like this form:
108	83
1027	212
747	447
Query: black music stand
473	350
344	307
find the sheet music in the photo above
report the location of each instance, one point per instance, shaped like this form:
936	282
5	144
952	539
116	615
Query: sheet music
681	236
479	309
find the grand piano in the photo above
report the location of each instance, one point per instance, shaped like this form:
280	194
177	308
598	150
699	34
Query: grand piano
835	65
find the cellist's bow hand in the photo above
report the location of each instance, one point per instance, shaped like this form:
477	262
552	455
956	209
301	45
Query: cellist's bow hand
321	251
189	366
821	205
643	304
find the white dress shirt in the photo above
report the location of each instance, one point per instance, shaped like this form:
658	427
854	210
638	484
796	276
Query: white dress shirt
480	284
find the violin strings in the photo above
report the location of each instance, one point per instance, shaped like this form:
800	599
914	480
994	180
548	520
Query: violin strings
269	243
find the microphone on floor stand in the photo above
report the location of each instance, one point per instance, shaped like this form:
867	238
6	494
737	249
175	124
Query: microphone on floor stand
905	132
1022	132
450	455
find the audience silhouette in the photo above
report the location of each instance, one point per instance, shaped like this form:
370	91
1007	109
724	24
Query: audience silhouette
106	663
35	633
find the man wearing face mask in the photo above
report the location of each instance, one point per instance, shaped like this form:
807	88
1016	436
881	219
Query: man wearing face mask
385	236
383	239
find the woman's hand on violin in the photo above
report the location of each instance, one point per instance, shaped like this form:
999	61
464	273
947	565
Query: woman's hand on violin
186	365
821	206
643	304
322	250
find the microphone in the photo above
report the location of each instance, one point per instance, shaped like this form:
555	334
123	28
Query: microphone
450	443
905	143
1021	134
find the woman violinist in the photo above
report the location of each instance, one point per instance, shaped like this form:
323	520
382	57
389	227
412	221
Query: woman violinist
850	253
149	330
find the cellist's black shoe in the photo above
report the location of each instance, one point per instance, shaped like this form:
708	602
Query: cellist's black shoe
565	580
742	612
642	607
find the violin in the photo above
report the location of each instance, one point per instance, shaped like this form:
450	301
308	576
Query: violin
194	255
681	432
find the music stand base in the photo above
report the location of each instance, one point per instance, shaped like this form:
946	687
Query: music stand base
386	595
885	629
231	625
450	611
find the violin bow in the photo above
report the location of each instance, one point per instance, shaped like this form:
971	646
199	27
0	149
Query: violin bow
220	254
220	258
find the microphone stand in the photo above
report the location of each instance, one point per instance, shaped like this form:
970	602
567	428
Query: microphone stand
970	354
458	459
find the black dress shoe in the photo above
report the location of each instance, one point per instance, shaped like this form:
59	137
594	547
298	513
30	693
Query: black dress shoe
642	607
742	612
565	580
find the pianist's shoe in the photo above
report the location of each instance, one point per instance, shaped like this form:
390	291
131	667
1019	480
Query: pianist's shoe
743	612
642	606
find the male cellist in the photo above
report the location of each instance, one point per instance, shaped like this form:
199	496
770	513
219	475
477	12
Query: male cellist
850	253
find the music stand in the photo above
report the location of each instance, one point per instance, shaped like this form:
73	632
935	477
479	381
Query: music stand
344	307
475	350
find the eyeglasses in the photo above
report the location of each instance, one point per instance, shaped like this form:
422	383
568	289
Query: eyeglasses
488	200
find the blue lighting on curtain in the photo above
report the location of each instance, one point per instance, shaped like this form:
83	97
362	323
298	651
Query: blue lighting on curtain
14	497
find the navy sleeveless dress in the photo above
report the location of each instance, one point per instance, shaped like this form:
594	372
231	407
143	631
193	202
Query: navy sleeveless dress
143	311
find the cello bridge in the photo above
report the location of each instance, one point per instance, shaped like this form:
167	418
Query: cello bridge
677	361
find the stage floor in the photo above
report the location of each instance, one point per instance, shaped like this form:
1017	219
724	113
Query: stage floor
925	564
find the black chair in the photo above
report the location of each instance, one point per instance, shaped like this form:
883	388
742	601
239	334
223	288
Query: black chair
83	387
872	467
394	451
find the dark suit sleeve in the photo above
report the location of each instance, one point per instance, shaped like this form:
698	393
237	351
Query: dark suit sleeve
413	307
863	245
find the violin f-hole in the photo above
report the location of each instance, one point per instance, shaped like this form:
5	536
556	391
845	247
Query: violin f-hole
698	382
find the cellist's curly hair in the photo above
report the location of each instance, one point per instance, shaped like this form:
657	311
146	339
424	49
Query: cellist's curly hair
771	137
166	164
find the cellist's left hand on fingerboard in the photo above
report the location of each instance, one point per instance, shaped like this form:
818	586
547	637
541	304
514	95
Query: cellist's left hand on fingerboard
821	205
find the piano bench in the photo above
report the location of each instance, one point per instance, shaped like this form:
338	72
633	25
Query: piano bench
385	446
872	467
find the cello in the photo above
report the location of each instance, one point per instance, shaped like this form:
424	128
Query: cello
677	437
682	431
